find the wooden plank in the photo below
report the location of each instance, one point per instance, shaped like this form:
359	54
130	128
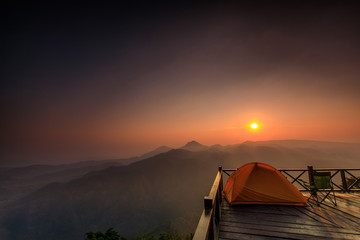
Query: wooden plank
234	218
315	231
353	199
352	214
243	236
275	215
203	226
258	211
347	209
317	216
336	218
267	209
215	186
259	215
252	207
342	219
319	227
292	210
275	234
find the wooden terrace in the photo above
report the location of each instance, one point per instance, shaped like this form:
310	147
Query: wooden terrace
324	221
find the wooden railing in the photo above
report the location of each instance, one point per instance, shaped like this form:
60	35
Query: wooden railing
207	228
296	177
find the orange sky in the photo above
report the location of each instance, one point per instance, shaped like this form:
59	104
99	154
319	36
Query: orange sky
125	81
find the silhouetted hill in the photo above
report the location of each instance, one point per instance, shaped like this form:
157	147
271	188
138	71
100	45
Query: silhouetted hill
194	146
22	180
164	192
157	151
19	181
134	199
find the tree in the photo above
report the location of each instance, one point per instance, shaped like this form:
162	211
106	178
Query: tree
110	234
145	237
168	236
350	181
189	236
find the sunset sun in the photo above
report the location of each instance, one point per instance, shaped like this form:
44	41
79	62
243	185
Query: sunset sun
254	126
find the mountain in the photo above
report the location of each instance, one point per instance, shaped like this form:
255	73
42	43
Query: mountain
194	146
17	182
217	147
20	181
161	193
133	199
157	151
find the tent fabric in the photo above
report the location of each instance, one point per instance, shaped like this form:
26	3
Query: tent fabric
259	183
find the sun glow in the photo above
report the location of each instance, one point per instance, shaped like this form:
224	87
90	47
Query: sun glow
254	126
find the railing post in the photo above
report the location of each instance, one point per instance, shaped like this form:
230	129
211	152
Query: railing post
208	203
311	179
221	180
343	179
219	197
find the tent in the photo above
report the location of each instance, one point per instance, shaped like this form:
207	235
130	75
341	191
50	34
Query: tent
259	183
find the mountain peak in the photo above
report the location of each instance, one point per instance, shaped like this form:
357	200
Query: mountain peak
194	146
193	143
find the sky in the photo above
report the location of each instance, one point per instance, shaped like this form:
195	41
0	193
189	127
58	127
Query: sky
85	81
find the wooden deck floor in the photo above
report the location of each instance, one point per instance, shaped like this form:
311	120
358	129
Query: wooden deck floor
289	222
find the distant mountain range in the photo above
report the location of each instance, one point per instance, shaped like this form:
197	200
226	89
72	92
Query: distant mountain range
19	181
159	191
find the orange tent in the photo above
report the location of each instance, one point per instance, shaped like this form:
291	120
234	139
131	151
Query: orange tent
259	183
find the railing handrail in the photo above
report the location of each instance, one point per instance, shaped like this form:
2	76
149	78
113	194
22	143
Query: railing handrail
343	173
215	186
305	169
210	217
